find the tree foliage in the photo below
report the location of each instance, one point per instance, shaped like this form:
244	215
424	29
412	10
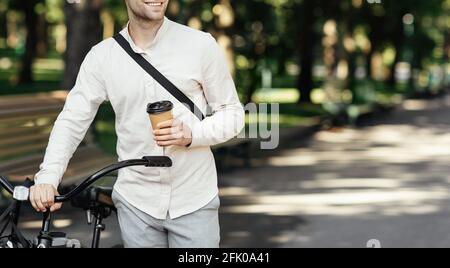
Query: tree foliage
290	38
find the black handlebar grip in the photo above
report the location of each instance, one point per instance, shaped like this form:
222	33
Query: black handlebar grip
158	161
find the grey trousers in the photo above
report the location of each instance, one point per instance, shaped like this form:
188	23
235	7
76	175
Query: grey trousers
199	229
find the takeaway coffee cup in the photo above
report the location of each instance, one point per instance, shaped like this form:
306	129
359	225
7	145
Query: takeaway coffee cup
159	112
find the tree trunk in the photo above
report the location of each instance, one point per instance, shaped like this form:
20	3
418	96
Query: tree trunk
305	80
306	34
350	55
3	26
31	20
376	35
398	44
447	46
42	36
84	30
251	89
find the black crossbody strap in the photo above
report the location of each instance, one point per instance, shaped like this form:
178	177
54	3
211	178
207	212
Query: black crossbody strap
160	78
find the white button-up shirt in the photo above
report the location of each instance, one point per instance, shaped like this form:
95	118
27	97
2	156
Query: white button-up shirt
194	62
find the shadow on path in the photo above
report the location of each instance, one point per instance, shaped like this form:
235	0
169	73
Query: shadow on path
388	181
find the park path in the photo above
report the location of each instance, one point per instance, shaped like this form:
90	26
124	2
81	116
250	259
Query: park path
344	187
389	181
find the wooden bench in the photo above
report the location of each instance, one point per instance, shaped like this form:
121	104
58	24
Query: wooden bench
25	125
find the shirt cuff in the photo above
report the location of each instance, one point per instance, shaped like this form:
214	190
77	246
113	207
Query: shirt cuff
197	136
47	179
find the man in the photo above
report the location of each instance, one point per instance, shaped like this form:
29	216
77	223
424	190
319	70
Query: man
175	207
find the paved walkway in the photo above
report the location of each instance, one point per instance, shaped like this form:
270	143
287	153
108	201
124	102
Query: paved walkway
390	182
341	188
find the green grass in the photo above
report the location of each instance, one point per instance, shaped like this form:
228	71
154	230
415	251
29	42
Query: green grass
276	95
284	120
8	52
304	110
291	115
106	135
47	74
105	129
107	141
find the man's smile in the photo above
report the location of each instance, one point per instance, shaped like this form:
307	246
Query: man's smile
153	3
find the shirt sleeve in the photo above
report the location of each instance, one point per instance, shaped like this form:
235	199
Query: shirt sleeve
81	106
220	92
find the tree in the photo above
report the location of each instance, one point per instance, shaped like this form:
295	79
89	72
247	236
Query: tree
84	30
31	22
306	43
393	13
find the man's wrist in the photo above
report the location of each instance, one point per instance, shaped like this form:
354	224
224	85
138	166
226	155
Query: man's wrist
196	135
45	180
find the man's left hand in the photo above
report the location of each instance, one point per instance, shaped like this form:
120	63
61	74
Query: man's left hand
172	132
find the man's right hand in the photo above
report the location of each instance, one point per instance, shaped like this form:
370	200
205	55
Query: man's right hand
42	197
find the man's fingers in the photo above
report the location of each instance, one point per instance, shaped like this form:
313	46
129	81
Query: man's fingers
40	199
37	200
165	124
44	199
165	138
174	136
172	132
50	197
164	131
175	123
55	207
32	199
167	143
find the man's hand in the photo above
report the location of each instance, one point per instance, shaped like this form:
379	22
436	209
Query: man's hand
42	197
172	132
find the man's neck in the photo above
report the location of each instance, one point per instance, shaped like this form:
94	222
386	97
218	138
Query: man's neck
143	32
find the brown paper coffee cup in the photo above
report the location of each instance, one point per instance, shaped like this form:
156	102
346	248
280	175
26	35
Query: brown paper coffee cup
159	112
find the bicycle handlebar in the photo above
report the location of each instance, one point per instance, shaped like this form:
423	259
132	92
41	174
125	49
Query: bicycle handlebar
147	161
6	185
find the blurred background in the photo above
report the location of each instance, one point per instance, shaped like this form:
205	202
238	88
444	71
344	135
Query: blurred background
364	113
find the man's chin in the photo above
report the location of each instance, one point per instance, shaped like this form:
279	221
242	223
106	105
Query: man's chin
151	15
154	18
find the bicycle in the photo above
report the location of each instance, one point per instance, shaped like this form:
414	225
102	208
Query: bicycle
96	200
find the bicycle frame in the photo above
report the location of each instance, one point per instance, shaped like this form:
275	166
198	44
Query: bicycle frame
45	239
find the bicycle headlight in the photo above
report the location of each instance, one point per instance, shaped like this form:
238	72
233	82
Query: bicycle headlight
21	193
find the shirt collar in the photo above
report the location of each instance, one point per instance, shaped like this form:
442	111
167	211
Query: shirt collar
163	29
